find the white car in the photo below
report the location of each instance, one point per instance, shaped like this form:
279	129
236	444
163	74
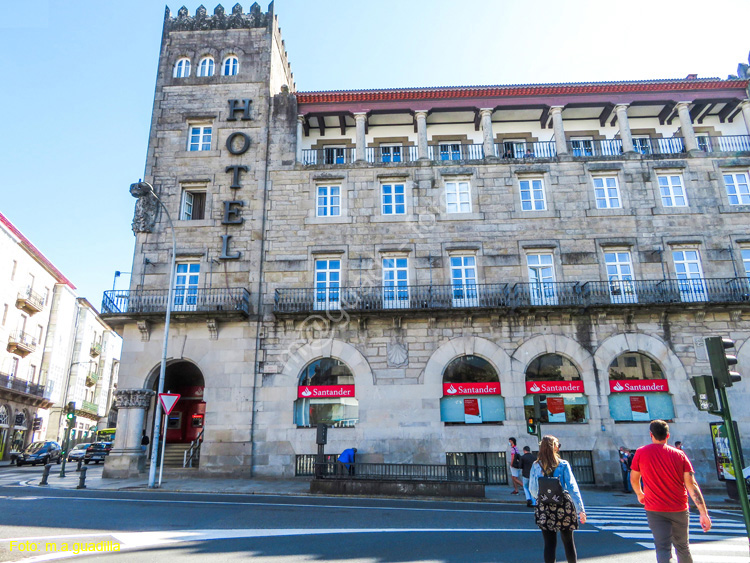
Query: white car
78	451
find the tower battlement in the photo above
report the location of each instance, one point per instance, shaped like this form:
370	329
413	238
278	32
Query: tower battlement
201	21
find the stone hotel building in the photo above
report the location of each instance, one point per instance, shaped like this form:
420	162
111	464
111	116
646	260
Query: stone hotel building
413	266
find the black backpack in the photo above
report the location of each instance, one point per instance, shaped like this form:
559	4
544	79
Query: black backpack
550	490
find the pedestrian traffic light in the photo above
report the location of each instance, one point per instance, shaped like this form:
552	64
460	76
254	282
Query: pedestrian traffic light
37	423
705	394
531	425
721	362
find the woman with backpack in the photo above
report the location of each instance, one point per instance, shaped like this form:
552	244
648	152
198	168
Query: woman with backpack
559	505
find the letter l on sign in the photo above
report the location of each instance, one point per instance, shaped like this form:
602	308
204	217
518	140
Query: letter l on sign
168	401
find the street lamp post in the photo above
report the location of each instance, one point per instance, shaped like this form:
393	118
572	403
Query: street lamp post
139	190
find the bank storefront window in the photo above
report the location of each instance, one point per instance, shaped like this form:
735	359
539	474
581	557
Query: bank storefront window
471	392
558	384
638	390
325	394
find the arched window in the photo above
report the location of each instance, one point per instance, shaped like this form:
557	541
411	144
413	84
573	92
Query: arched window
638	389
471	392
325	394
555	380
206	67
231	66
182	68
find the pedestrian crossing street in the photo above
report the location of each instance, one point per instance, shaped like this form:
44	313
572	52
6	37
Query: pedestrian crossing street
726	542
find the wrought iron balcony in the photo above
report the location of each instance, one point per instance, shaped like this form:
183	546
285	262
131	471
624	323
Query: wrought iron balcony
512	295
8	381
30	302
522	150
213	301
21	343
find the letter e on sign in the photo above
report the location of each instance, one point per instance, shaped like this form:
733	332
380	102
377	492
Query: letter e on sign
168	401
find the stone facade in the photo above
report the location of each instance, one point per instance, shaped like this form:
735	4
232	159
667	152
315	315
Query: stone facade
292	144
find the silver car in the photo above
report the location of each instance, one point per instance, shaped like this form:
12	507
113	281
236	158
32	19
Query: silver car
78	451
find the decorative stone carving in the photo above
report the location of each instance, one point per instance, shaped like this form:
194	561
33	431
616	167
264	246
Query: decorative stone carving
202	21
288	325
145	329
213	329
144	218
701	354
398	355
133	398
735	315
700	316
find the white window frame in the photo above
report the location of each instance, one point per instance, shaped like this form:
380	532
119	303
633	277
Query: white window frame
540	268
533	196
642	144
187	207
181	68
619	265
395	282
206	67
186	285
334	154
689	272
203	135
393	203
672	190
458	196
391	153
231	63
745	254
607	196
738	187
582	146
464	291
327	292
451	149
328	200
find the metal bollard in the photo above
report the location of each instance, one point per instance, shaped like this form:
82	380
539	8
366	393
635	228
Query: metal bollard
80	461
45	475
82	479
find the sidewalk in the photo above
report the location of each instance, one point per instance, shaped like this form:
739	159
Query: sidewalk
295	486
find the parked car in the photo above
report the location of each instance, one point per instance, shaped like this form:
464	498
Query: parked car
78	451
40	452
96	452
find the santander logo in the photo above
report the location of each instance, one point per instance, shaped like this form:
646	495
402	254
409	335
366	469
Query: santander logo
451	390
639	386
618	387
306	392
534	388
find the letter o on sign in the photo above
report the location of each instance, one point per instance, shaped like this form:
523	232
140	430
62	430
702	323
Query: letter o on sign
245	143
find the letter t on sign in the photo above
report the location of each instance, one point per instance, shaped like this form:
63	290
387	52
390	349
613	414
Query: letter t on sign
236	169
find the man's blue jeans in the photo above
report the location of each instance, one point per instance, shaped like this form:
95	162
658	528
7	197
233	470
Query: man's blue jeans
527	492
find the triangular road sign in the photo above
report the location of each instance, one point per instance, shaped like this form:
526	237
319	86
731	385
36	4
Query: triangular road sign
168	401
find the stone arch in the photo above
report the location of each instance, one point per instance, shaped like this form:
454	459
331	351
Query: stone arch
646	344
432	376
153	375
553	344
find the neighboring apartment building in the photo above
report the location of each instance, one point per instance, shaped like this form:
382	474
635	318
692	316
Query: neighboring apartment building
42	320
414	266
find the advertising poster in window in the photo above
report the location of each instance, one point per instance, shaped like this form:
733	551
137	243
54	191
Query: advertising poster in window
639	408
472	411
722	452
556	409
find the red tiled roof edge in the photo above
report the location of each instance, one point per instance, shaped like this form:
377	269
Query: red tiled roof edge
34	251
514	90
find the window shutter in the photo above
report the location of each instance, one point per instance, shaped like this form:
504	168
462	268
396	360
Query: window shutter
199	205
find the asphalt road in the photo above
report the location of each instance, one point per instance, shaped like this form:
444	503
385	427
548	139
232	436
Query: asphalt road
41	524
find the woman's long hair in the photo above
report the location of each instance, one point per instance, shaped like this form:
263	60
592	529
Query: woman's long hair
548	457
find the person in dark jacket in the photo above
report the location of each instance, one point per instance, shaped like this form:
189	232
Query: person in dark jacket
527	460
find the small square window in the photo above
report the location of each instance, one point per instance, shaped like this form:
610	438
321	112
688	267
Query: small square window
199	138
457	197
672	191
532	195
737	188
328	202
607	192
393	199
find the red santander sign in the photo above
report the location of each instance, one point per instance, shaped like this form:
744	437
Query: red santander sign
533	387
324	391
456	389
638	385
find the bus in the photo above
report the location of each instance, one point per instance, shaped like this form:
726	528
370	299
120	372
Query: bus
106	435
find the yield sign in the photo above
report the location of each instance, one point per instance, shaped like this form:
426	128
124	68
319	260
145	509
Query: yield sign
168	401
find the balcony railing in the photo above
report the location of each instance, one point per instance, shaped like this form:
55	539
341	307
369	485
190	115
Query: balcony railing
512	296
30	302
21	385
726	143
517	150
455	151
91	379
96	349
89	407
400	153
21	343
188	300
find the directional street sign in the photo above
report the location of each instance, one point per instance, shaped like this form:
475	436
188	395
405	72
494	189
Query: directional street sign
168	401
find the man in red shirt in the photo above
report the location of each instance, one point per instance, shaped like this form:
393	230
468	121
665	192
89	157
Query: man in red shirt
668	478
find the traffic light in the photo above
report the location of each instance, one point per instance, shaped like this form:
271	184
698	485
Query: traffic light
37	423
705	394
531	425
70	412
721	362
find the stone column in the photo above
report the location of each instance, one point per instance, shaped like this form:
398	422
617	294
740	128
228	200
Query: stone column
557	126
487	138
300	132
360	119
622	120
686	125
745	105
421	117
127	458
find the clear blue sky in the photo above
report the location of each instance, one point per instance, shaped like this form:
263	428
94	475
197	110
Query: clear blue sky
78	81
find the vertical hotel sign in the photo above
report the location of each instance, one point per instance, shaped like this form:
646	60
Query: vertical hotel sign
238	143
